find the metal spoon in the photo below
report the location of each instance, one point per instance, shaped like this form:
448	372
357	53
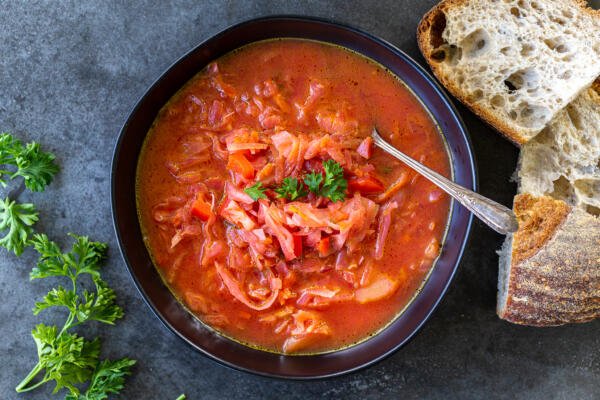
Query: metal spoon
495	215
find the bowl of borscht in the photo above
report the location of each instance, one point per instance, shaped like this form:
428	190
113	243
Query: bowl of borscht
256	217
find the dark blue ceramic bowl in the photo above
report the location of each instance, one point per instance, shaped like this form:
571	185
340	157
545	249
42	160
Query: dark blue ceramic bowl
173	314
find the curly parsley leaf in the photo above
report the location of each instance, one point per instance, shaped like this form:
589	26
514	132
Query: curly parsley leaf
9	146
108	378
256	191
51	261
334	185
333	171
313	181
35	166
17	219
99	306
291	189
84	258
335	192
58	297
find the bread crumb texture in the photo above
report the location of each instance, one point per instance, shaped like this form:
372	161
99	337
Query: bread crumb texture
516	63
563	161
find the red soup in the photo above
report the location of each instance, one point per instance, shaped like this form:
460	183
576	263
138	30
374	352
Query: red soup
269	212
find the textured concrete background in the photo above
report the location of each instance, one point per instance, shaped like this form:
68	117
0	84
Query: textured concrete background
69	74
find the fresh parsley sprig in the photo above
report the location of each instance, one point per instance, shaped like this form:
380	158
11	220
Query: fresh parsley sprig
16	219
331	185
313	181
65	358
334	185
35	166
108	378
291	189
256	191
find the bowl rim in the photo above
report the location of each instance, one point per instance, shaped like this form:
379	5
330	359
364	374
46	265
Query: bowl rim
439	91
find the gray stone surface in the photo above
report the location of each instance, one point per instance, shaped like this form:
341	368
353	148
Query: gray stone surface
69	74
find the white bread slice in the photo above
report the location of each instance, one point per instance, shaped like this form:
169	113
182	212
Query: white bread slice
515	63
563	161
550	269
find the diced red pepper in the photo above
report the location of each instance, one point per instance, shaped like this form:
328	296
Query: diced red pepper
297	245
201	209
323	247
237	162
365	184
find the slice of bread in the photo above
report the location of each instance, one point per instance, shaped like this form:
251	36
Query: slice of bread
515	63
550	269
563	161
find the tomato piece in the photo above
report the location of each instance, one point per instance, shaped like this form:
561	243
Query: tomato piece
323	247
201	209
297	245
237	162
365	184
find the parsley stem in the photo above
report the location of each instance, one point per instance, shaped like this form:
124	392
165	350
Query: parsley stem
22	387
67	325
69	322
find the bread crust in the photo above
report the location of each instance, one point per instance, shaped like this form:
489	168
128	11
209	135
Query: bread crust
596	86
428	32
554	275
539	218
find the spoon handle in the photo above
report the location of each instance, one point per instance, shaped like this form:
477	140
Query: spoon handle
495	215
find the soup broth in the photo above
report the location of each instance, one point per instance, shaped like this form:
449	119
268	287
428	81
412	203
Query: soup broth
269	212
